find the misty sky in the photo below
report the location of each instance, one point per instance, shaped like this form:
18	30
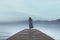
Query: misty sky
12	10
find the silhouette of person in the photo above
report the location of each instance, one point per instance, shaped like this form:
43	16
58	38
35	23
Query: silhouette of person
30	23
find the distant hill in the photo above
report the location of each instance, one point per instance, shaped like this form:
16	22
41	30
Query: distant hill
35	22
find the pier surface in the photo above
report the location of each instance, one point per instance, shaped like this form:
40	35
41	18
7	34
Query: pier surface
26	35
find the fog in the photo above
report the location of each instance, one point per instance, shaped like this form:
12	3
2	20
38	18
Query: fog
20	10
12	10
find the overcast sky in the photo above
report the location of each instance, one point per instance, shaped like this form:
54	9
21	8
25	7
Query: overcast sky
12	10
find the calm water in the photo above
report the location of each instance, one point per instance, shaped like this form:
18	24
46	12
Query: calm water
52	30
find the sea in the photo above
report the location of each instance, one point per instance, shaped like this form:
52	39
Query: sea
53	30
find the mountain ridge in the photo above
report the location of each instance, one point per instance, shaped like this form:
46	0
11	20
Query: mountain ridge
34	21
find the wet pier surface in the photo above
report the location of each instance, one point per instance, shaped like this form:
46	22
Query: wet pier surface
27	34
